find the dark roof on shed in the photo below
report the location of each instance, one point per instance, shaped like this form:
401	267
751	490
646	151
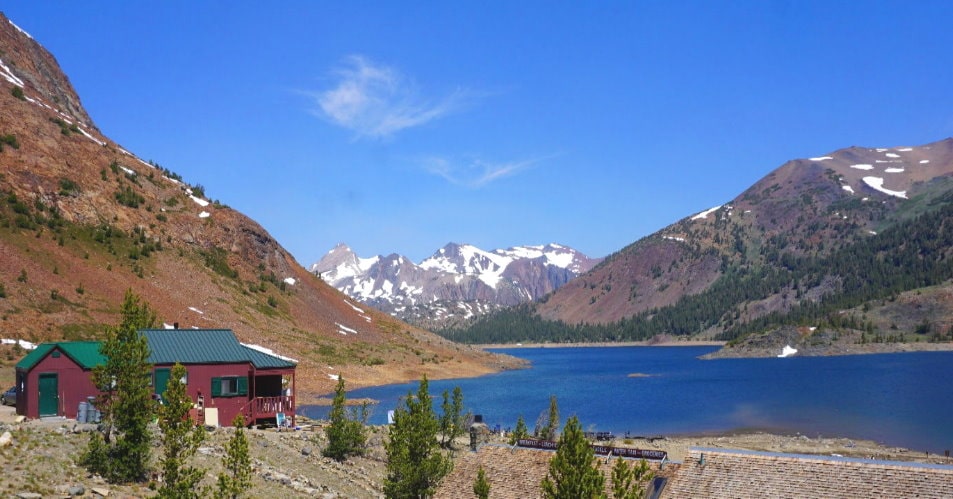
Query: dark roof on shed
84	353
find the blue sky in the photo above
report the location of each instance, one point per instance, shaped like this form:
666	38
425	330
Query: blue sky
397	127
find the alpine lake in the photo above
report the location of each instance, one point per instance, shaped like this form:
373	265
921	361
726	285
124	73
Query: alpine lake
903	399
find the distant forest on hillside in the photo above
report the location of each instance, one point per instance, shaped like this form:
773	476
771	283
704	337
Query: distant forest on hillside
911	254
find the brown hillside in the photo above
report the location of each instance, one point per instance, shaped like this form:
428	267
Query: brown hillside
82	220
805	207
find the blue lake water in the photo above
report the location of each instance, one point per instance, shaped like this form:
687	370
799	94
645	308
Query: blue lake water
896	399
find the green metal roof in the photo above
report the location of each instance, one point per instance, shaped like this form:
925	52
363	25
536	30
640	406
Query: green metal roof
168	346
205	346
84	353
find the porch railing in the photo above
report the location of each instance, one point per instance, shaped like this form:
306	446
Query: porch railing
269	406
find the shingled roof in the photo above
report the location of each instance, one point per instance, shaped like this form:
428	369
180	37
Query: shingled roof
742	474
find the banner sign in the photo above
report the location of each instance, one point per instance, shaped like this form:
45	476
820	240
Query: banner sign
600	450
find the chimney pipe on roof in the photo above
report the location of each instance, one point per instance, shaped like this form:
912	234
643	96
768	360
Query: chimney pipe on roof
175	325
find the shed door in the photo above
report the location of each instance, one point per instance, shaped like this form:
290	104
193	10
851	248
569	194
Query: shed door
49	394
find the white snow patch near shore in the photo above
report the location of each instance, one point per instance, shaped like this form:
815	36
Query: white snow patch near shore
924	161
290	281
847	188
787	351
905	149
821	158
877	184
204	214
894	170
891	155
196	310
862	167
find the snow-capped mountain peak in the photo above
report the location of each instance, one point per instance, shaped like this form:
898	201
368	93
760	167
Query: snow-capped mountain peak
457	281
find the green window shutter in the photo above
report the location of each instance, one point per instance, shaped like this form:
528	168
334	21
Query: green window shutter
243	385
216	387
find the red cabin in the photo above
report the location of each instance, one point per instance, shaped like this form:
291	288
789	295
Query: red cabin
224	377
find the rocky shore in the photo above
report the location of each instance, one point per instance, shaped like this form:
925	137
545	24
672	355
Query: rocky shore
39	459
816	342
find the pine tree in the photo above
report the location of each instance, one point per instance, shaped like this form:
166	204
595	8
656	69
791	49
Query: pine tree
181	438
346	435
520	432
121	451
481	487
572	474
453	419
415	464
551	427
628	481
236	477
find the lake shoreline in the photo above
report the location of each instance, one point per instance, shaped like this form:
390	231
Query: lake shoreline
686	343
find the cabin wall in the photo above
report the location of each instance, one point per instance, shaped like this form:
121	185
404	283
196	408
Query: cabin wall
200	384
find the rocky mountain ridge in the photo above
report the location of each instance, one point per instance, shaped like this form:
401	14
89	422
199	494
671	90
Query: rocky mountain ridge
456	284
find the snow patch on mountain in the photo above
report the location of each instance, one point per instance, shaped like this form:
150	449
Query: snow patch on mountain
877	184
459	281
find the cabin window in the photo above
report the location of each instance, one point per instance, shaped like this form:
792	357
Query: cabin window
230	386
56	354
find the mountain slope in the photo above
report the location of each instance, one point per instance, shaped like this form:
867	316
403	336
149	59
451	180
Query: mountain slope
835	230
456	284
82	220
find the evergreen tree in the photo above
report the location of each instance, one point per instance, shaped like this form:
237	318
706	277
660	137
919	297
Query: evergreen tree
521	431
346	435
452	421
481	487
572	471
181	438
121	450
415	464
236	477
628	481
548	430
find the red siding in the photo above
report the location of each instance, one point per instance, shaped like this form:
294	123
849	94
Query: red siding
74	385
200	383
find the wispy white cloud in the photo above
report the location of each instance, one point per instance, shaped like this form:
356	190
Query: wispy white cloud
378	101
475	173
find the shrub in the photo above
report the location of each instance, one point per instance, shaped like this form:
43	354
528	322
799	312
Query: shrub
68	187
128	197
17	92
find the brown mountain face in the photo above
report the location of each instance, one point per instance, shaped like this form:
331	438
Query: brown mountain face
82	220
806	207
